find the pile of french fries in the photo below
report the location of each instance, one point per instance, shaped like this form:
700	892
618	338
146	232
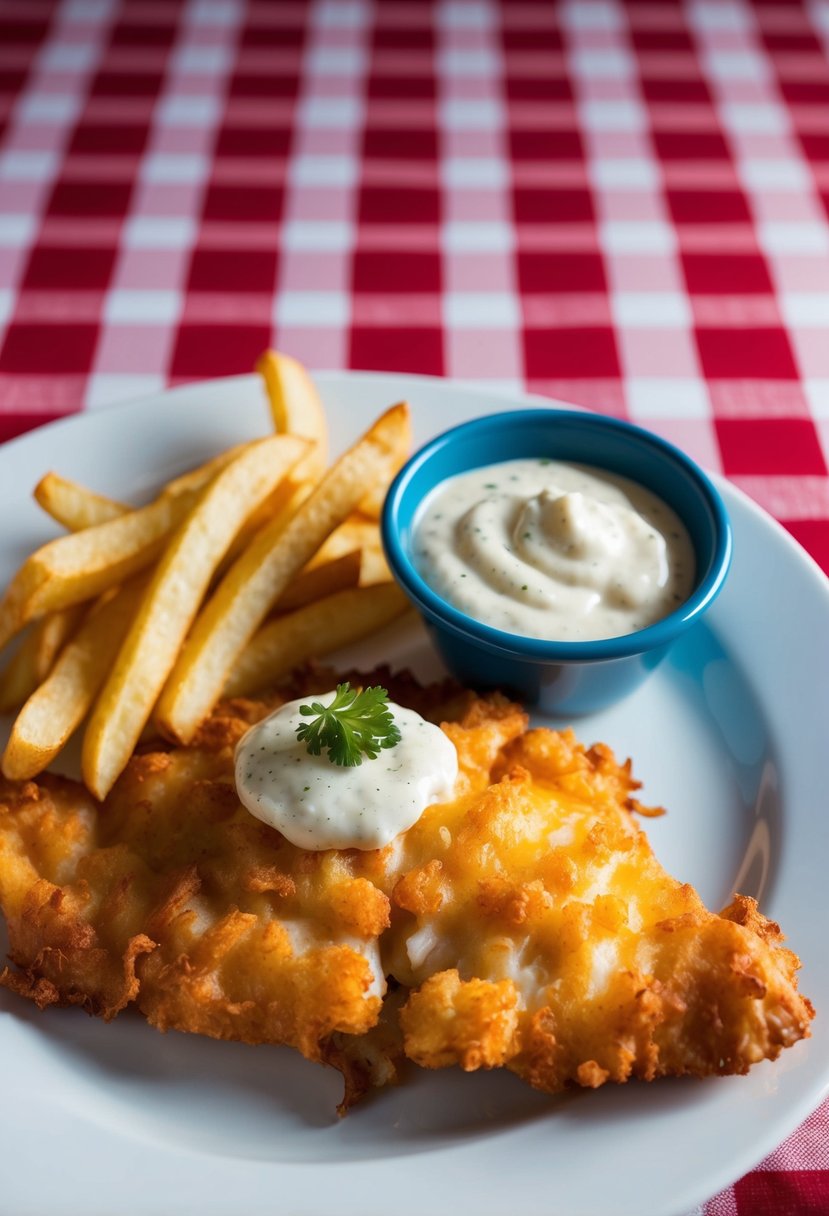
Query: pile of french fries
141	619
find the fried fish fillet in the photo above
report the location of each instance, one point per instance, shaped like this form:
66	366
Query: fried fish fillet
526	923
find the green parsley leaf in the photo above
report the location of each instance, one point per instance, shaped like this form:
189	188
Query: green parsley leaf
356	723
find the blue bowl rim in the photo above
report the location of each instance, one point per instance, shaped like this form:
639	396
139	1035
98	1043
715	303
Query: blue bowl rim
444	615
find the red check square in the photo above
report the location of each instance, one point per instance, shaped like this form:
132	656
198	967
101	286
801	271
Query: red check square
537	88
248	270
531	144
257	36
385	349
676	89
126	84
787	446
15	29
401	38
708	206
661	40
532	40
813	535
266	85
388	271
390	205
253	141
32	349
726	273
400	143
561	206
815	144
150	34
89	199
691	145
401	88
570	353
788	40
561	272
238	204
805	92
746	353
109	139
68	269
202	351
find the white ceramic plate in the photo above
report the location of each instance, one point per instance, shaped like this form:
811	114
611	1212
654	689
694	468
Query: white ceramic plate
729	734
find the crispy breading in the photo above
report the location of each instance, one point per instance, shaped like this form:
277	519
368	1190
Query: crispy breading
524	924
550	903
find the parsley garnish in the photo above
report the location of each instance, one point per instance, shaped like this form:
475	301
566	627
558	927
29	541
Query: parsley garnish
356	723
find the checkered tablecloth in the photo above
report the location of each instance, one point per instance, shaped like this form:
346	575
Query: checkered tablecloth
623	206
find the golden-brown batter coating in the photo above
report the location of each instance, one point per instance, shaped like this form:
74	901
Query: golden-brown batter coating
524	924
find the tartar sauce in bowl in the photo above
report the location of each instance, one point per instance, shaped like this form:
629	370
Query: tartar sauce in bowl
555	554
548	549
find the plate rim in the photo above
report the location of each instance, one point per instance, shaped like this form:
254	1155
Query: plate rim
92	419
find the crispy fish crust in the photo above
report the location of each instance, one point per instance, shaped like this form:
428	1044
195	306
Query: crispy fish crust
524	924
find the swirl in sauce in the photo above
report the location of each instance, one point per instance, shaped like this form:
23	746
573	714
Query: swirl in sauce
555	551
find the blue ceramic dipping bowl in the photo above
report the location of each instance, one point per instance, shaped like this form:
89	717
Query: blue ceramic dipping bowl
561	678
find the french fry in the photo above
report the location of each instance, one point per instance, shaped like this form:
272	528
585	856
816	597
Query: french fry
315	582
35	656
296	408
80	566
171	602
310	632
371	504
257	579
356	533
59	705
282	503
73	505
75	568
374	568
76	507
203	474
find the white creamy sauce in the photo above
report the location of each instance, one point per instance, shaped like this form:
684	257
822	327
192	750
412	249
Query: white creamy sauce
551	550
320	805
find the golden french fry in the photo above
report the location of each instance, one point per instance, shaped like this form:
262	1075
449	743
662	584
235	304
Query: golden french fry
73	505
282	503
355	532
80	566
203	474
371	504
310	632
59	705
296	408
316	582
171	602
374	568
35	656
76	507
257	579
363	538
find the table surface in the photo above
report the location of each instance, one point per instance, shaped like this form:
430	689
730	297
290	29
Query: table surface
622	206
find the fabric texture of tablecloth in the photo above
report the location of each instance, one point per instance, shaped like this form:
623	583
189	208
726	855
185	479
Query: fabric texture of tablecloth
622	206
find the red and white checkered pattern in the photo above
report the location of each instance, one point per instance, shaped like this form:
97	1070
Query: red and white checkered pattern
623	206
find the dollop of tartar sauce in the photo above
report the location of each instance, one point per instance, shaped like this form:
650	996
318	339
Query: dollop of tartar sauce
320	805
555	551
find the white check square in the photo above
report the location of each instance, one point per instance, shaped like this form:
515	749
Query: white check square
651	310
130	306
666	397
481	310
312	308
